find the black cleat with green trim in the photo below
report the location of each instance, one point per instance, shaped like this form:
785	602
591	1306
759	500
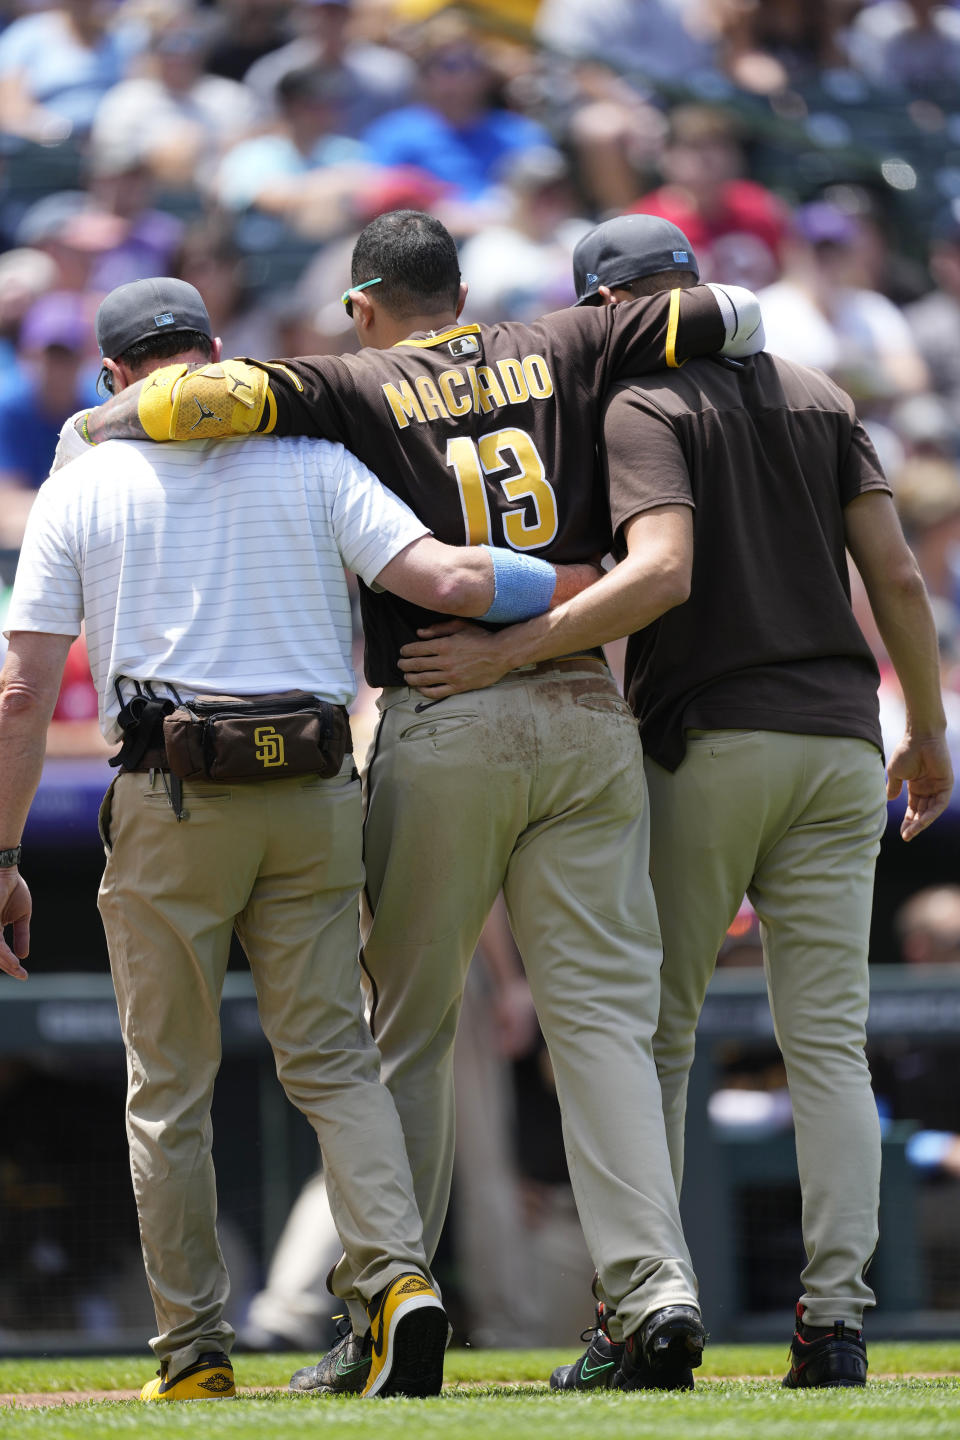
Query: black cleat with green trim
599	1362
344	1370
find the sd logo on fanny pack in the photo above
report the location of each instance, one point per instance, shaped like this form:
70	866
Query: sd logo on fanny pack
270	747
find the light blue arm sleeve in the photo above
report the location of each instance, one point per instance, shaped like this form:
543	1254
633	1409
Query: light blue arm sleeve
523	586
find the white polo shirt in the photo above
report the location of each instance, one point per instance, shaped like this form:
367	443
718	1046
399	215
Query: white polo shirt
213	565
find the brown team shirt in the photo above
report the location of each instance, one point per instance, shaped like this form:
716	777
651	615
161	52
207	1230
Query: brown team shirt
768	454
489	432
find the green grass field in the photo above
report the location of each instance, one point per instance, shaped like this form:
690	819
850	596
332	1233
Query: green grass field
913	1394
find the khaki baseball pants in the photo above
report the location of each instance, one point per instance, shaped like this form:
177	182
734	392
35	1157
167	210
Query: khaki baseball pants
281	862
794	822
534	786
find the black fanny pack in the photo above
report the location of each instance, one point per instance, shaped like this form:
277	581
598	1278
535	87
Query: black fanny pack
257	737
231	737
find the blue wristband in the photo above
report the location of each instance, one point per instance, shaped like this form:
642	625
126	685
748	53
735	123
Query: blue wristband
523	586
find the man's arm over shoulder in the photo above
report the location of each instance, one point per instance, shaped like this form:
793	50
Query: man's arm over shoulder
228	398
901	608
663	331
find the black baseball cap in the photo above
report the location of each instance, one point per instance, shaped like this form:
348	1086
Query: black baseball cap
626	248
160	306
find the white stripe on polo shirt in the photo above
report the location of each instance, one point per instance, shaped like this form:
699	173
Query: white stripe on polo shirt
214	565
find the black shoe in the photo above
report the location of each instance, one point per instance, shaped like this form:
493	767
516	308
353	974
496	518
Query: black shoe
597	1365
342	1371
822	1356
664	1352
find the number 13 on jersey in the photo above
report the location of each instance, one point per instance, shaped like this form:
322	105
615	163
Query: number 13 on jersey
504	450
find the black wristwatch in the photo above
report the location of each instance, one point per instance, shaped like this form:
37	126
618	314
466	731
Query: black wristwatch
9	858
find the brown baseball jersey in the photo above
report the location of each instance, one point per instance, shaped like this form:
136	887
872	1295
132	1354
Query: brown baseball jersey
768	454
489	432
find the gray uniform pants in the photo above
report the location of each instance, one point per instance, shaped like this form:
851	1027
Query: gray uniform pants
794	822
534	786
281	861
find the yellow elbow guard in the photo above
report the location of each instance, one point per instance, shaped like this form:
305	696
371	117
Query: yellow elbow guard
216	401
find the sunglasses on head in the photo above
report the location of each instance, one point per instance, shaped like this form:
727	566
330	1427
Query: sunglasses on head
345	300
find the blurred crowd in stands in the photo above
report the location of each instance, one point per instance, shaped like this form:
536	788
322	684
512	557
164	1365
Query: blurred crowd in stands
810	149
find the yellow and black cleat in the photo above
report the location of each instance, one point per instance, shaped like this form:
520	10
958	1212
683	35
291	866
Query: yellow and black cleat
408	1331
209	1378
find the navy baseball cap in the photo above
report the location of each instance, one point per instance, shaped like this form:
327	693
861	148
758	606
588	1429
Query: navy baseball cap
626	248
160	306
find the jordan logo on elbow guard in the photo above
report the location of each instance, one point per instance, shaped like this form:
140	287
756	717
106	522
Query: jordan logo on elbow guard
205	414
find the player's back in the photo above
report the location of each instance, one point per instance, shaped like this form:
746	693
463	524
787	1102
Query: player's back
497	427
488	431
774	453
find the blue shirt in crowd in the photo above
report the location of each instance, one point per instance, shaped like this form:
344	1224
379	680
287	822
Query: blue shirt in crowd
468	158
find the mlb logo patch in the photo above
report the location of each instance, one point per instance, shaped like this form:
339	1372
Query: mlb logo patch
464	345
680	257
167	318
